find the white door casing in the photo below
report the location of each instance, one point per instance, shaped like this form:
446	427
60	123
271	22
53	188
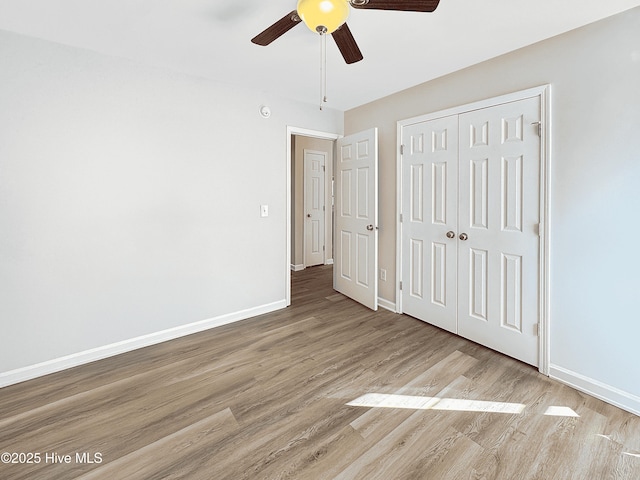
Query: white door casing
356	199
314	207
494	278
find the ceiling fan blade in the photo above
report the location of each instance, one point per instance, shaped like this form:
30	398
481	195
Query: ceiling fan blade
403	5
347	44
278	29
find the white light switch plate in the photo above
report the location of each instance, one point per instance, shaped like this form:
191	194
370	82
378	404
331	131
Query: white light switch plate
264	210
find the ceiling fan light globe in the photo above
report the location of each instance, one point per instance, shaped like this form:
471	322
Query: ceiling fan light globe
323	15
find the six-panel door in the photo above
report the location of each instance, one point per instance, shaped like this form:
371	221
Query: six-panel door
314	248
470	207
356	242
430	212
499	196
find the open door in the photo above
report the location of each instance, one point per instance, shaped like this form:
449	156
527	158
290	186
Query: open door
356	199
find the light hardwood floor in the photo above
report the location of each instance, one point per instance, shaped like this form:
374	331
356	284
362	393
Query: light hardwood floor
268	398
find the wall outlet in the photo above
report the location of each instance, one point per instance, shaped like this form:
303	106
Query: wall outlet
383	275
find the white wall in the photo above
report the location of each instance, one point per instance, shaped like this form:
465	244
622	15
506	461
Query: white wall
594	74
129	203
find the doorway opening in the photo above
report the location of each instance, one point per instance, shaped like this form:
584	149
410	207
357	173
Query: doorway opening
353	216
309	200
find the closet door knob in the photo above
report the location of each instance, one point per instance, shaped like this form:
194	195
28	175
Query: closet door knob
463	236
451	234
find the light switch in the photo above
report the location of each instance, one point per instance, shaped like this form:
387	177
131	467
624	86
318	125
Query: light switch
264	210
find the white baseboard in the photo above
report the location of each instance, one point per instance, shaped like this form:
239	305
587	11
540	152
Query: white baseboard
51	366
297	268
606	393
387	305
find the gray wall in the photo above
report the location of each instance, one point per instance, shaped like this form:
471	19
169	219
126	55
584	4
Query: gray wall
594	73
130	202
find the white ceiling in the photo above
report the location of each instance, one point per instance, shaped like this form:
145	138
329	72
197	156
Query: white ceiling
211	38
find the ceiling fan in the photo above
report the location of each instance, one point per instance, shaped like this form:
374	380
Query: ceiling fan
329	17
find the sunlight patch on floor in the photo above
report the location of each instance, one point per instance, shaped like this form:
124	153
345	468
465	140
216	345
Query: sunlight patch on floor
383	400
637	455
561	412
608	437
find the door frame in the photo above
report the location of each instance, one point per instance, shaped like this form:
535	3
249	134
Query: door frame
304	201
544	92
305	132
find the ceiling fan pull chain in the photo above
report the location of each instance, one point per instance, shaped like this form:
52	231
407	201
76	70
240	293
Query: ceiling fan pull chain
324	62
321	73
323	69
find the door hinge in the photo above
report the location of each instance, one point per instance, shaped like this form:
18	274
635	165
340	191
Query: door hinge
400	218
401	149
400	285
539	229
324	168
539	125
323	248
536	329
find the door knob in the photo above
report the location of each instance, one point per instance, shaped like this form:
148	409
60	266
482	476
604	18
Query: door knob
309	215
370	227
451	234
463	236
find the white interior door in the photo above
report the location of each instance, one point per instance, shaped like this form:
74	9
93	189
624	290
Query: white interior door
498	262
314	208
430	212
470	223
356	198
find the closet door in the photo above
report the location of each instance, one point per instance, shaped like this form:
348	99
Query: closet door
429	223
498	241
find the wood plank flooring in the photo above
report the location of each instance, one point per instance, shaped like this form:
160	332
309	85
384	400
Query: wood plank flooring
267	398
